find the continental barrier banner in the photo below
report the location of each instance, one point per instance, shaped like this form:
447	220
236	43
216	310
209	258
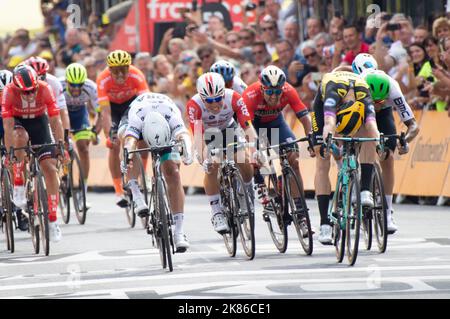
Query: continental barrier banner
424	171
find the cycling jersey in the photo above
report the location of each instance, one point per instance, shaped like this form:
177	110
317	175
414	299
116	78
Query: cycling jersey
57	90
1	121
397	100
335	86
238	85
88	95
14	106
258	108
111	91
153	102
233	104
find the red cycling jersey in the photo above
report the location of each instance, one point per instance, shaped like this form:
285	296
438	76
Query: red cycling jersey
14	106
233	103
257	106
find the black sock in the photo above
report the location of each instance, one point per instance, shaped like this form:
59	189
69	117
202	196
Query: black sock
324	201
366	176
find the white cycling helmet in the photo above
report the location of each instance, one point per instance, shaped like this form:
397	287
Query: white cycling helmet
224	68
6	77
210	84
272	76
362	62
156	130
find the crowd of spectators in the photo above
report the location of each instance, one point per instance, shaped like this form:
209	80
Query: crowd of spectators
418	57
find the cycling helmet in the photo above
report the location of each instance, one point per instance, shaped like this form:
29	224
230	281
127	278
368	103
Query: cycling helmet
118	58
349	118
272	76
379	84
362	62
156	131
5	78
25	78
224	68
39	64
210	84
76	73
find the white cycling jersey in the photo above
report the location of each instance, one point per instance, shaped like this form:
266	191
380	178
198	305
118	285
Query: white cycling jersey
57	90
88	95
397	100
238	85
154	102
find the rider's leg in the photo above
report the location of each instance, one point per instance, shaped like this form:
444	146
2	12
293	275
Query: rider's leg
171	172
367	158
48	166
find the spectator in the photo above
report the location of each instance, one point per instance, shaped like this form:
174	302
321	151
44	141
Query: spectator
49	57
20	46
353	44
219	35
176	46
89	64
71	51
207	57
291	33
322	40
269	34
297	70
143	61
215	23
313	27
286	54
420	33
163	74
247	38
432	49
441	28
232	39
249	73
261	55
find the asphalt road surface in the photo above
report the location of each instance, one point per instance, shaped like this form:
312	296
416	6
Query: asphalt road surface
106	259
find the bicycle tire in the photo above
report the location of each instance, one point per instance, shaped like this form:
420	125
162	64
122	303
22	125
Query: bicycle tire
7	218
366	226
380	209
245	217
78	190
353	220
230	237
64	197
274	215
43	214
306	242
32	215
339	233
163	212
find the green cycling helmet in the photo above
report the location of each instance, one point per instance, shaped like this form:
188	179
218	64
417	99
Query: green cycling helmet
379	84
76	73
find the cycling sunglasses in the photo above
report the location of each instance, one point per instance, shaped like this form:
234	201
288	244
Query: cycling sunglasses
76	86
31	92
216	99
273	91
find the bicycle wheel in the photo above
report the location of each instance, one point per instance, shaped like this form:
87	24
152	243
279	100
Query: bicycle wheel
300	217
32	208
243	212
162	212
230	237
43	213
7	207
366	226
353	217
379	210
339	226
77	188
64	196
273	215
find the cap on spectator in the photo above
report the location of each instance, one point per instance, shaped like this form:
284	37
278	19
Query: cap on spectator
14	61
46	54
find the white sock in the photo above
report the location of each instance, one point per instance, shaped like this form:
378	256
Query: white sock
389	203
178	220
214	201
134	188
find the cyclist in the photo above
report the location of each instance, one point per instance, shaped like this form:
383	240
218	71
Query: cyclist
41	67
5	79
29	110
211	116
265	101
81	98
154	117
228	72
342	105
387	94
118	85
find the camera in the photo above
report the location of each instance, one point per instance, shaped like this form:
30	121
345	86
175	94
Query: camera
393	26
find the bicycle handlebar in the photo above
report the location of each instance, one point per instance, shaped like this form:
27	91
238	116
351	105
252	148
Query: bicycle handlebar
236	146
286	144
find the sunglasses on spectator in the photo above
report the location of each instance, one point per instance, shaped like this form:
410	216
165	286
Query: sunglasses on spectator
268	29
257	52
245	38
216	99
310	55
232	41
273	91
